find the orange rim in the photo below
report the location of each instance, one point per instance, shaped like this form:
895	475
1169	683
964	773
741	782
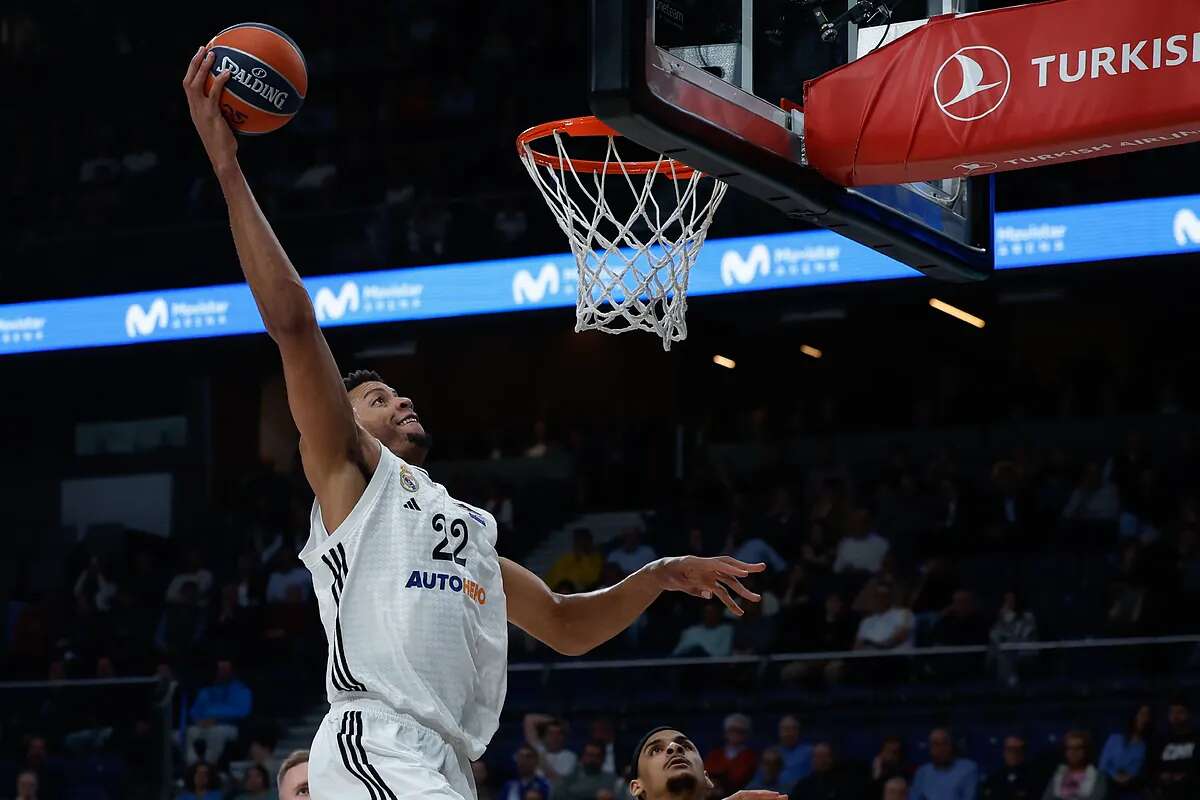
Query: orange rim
591	126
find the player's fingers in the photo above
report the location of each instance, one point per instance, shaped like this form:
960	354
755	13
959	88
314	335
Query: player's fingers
722	595
733	562
193	65
736	585
214	94
202	73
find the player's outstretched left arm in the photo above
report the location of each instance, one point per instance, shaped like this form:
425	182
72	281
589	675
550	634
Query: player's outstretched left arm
573	624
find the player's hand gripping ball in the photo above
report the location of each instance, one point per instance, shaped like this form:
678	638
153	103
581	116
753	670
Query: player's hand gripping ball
268	77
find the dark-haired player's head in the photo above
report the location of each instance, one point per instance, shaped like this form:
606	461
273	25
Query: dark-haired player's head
668	766
386	415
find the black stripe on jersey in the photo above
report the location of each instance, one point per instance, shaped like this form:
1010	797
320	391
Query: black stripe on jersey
348	755
388	793
340	675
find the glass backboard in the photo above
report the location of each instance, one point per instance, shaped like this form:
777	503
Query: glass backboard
716	84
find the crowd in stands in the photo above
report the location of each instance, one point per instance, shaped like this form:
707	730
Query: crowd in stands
1143	761
403	150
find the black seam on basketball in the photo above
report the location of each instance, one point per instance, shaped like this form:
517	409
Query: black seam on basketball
235	88
272	29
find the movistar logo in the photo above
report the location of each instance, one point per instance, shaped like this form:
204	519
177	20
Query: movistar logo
332	306
1187	227
142	322
738	270
528	289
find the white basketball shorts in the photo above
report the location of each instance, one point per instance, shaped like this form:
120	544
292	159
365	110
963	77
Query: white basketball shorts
363	753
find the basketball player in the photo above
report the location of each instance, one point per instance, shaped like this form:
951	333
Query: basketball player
414	599
668	766
292	780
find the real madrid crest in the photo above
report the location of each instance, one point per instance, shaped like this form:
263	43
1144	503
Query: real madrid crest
407	479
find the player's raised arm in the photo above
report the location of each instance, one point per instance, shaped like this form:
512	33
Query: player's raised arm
334	456
573	624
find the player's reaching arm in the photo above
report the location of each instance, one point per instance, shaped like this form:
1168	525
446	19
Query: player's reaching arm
338	456
573	624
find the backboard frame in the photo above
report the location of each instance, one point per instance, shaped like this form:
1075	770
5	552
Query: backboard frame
666	104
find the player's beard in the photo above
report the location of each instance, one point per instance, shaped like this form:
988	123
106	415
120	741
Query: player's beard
421	440
684	785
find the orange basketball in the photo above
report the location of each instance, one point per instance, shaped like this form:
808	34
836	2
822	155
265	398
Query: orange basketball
269	78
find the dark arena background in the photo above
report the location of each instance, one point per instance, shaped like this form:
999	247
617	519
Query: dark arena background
979	504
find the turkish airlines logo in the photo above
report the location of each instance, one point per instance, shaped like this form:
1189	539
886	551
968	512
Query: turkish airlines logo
1187	228
143	322
972	83
736	270
528	289
976	167
332	306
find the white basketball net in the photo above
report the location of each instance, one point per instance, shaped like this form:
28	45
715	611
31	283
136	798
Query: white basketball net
634	262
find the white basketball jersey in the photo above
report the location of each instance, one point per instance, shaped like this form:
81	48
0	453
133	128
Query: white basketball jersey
413	605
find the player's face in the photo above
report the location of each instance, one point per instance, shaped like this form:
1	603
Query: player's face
294	785
391	419
670	766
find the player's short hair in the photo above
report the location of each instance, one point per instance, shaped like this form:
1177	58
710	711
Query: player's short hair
296	758
360	376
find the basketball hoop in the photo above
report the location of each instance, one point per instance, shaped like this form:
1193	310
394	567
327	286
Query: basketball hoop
633	250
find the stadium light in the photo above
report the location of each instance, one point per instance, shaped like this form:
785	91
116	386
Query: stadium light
810	351
957	313
722	361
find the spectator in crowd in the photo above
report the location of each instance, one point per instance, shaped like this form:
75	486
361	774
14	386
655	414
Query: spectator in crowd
604	732
890	763
216	713
1176	762
888	575
195	573
1094	500
862	550
751	549
891	627
548	737
783	522
1014	624
261	750
826	781
1015	780
256	785
1124	754
831	632
946	776
183	622
960	623
713	637
796	755
1006	515
818	552
287	572
732	765
200	783
1077	778
540	447
96	588
770	772
483	780
292	779
581	566
27	785
231	626
895	788
500	505
527	778
632	555
588	777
